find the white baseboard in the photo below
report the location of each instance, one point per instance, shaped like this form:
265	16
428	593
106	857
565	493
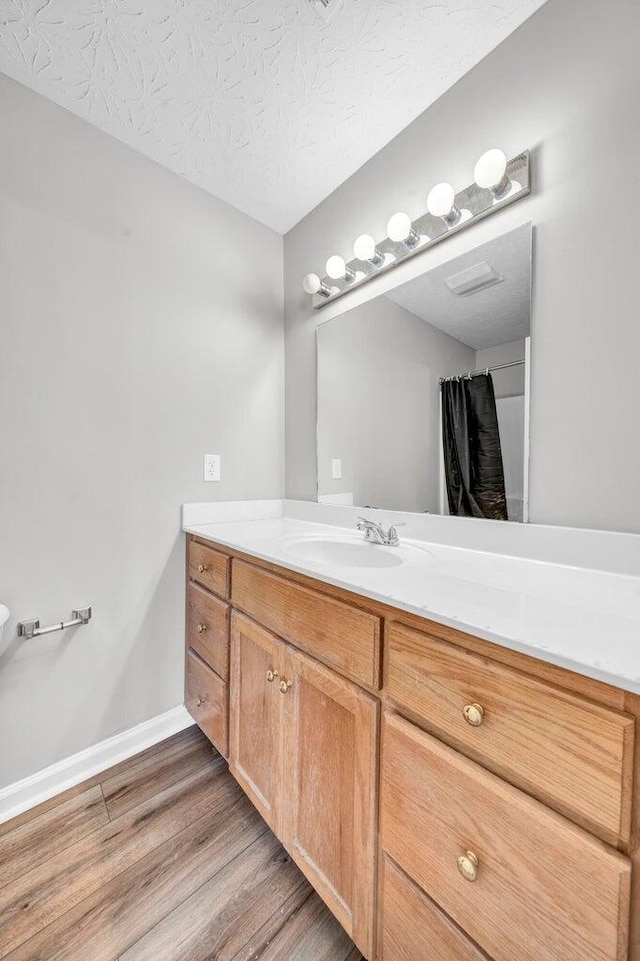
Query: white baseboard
52	780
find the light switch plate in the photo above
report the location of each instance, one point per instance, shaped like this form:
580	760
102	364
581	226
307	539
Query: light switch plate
336	468
212	467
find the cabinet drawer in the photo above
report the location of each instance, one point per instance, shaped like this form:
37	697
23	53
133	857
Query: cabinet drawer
545	890
208	628
413	928
343	637
574	755
209	568
207	701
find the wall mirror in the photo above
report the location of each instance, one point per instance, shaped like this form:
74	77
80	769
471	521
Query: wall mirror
423	392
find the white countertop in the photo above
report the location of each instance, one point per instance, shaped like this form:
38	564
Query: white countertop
582	619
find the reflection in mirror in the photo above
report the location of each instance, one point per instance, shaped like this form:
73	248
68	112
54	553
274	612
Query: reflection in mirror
422	400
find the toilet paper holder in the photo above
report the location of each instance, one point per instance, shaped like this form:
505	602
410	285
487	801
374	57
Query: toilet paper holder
31	628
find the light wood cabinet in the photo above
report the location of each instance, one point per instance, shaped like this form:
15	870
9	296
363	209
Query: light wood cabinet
522	881
304	746
206	689
574	754
498	817
340	635
208	628
257	717
413	928
206	700
331	739
209	567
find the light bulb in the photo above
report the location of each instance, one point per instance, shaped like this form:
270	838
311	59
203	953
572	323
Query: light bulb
313	285
400	230
338	270
440	203
440	200
491	172
399	227
364	248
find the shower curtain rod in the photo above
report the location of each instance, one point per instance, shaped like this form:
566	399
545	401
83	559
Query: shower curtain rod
485	370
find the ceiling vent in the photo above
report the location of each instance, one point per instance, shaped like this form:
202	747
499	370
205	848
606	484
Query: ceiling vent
326	9
473	279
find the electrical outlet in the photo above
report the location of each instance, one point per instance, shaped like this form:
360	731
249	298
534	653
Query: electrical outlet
212	467
336	468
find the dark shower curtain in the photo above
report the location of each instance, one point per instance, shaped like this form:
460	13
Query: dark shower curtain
472	452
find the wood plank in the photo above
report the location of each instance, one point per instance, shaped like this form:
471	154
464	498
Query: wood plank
176	741
239	903
58	884
47	834
311	934
259	941
343	637
570	753
131	904
126	788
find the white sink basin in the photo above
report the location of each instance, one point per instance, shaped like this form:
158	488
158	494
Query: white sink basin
344	550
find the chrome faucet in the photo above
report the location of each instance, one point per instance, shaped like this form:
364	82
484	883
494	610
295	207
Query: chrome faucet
376	534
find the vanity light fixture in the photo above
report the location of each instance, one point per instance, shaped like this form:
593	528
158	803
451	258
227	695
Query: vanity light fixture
400	230
498	183
441	203
337	269
312	284
364	248
491	174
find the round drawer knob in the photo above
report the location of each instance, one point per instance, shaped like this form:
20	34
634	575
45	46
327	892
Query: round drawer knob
199	701
201	568
468	866
473	714
271	675
285	685
201	628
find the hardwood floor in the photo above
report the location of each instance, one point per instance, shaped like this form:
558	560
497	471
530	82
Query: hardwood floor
162	858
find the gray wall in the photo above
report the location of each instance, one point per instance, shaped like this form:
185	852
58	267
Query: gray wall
379	405
133	339
566	85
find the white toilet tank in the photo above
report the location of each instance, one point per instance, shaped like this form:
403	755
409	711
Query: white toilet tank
4	617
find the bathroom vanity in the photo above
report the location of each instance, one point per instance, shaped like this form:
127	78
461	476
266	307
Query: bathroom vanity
447	795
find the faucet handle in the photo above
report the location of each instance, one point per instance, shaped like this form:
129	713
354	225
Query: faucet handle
363	524
392	536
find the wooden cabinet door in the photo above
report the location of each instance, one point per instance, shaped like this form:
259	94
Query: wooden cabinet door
330	760
256	716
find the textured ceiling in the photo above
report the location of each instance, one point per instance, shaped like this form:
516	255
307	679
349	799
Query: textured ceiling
262	102
486	318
